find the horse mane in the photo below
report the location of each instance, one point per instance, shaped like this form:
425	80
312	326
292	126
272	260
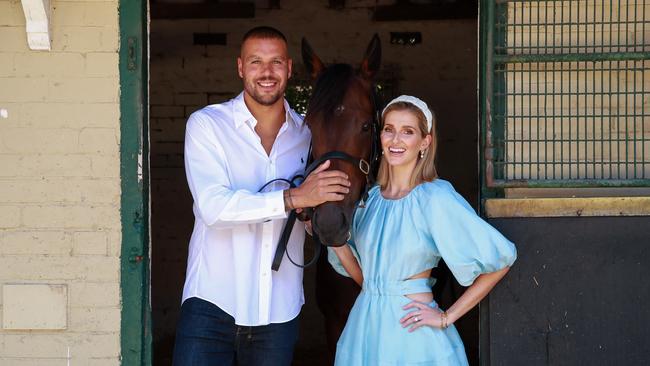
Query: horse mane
330	90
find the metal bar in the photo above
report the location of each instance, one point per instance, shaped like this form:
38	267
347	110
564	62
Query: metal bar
537	170
500	25
521	79
602	100
574	183
643	118
561	96
627	152
609	86
643	93
634	160
572	57
569	126
565	140
567	93
618	33
609	120
553	119
631	115
562	119
597	137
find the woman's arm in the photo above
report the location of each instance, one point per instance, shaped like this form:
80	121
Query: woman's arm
474	294
426	315
349	262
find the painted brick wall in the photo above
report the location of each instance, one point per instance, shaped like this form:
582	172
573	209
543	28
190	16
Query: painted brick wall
60	188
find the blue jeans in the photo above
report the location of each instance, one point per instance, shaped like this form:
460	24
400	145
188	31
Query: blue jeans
207	335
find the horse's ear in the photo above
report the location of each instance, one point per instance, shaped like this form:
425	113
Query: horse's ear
313	64
372	58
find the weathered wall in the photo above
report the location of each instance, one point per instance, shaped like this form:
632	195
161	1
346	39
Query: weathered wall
184	77
575	296
60	188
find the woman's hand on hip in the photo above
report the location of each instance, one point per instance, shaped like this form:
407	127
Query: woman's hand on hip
420	315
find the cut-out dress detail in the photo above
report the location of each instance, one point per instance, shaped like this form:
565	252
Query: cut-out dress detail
393	239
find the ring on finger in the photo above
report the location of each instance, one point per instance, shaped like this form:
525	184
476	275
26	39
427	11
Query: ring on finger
416	319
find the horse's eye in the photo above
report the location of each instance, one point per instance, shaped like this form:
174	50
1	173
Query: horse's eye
339	110
366	126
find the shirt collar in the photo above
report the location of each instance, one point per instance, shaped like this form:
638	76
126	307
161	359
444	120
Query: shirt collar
242	115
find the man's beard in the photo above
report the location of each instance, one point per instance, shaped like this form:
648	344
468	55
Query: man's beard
264	99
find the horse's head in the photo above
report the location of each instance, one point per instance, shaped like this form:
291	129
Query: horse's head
342	117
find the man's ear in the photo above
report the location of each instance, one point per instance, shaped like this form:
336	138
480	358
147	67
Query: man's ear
290	65
240	67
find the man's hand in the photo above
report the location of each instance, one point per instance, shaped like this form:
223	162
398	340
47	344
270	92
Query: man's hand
321	185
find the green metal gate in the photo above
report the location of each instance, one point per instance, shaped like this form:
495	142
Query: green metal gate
565	88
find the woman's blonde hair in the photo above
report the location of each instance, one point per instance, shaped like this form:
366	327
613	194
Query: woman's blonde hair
425	168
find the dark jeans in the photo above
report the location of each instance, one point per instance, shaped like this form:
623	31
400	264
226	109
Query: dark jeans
207	335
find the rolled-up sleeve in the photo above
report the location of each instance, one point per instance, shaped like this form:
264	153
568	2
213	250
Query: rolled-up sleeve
215	201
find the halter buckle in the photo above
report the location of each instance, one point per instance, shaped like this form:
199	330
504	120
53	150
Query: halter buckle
364	166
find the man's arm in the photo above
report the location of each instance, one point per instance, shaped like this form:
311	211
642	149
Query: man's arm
217	204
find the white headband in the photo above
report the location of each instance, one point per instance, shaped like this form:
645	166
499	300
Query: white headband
416	102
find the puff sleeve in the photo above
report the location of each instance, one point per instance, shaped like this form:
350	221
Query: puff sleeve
334	261
469	245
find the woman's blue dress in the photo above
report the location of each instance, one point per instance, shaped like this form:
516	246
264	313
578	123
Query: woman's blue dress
396	239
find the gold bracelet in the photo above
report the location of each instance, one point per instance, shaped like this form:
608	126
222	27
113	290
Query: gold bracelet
443	320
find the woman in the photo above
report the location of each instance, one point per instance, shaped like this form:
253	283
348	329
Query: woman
413	219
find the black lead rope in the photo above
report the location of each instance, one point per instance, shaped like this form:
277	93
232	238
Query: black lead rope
367	167
286	231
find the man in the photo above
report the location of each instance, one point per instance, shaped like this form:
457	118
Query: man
235	308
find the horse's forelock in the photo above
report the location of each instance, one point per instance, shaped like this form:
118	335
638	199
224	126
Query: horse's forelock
329	91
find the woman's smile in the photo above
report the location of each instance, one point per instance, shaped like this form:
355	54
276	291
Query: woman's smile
401	139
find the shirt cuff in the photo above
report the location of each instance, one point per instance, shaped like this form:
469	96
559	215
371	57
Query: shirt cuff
275	201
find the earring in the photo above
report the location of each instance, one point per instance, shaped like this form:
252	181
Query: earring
382	152
421	154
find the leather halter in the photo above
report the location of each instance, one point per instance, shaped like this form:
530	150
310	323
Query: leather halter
368	168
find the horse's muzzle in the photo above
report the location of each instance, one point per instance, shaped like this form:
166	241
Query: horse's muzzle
332	225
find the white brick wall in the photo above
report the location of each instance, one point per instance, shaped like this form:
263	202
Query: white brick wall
59	181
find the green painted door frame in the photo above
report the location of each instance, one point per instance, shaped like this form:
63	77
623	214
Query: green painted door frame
484	98
134	173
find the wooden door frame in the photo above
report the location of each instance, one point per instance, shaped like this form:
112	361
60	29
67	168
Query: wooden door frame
135	329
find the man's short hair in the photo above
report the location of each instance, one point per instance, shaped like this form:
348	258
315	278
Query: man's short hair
264	32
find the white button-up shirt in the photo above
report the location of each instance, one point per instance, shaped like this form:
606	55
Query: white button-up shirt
236	229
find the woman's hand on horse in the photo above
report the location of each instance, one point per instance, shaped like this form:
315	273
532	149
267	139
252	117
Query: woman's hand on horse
320	186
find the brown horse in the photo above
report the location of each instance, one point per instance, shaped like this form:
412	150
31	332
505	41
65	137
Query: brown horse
342	116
